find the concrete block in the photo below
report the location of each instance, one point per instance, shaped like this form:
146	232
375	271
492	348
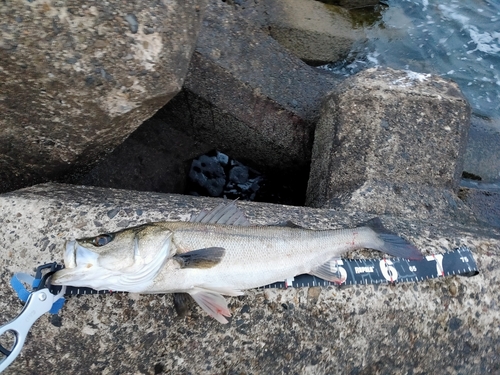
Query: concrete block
78	78
484	202
391	142
315	32
451	324
247	96
482	157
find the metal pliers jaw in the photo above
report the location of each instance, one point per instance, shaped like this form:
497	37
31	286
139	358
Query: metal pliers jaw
38	303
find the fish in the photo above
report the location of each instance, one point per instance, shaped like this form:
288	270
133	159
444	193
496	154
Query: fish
215	254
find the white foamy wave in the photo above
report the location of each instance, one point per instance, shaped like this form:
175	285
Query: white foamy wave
487	42
410	79
372	58
450	12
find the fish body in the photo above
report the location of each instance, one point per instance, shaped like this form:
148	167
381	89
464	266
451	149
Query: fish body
254	255
217	253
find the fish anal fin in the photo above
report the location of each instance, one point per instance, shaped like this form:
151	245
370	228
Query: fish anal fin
182	302
213	303
201	258
328	271
224	213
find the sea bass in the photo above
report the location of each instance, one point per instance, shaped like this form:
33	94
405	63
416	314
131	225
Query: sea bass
216	253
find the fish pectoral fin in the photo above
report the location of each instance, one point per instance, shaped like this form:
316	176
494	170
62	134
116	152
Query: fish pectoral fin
328	272
212	302
202	258
182	301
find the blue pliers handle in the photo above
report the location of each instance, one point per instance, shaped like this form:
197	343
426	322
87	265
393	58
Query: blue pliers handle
38	302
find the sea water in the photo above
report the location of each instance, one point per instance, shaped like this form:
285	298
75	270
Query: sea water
455	39
459	40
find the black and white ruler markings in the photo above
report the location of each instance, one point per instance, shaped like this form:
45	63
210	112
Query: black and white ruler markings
391	270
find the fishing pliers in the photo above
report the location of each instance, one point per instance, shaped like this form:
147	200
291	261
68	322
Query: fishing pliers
38	302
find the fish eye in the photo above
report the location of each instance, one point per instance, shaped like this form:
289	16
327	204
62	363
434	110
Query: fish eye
102	239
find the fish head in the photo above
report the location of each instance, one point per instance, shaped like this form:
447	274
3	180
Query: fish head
127	260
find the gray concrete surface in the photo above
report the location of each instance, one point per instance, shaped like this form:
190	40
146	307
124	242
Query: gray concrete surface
449	325
77	78
484	201
391	142
482	156
156	157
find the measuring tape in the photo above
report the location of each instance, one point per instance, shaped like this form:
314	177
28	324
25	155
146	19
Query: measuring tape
394	270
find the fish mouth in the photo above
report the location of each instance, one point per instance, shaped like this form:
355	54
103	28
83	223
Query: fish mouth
77	260
76	255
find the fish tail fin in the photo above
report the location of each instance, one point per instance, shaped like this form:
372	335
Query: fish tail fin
391	243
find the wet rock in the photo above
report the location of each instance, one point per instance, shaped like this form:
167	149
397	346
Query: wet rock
78	78
316	33
391	142
208	173
411	324
218	175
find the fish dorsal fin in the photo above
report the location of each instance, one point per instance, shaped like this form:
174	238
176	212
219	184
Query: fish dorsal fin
287	224
328	271
224	213
201	258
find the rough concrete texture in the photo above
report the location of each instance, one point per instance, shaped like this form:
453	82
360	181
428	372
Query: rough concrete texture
451	324
391	142
246	96
485	204
316	33
78	78
482	157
